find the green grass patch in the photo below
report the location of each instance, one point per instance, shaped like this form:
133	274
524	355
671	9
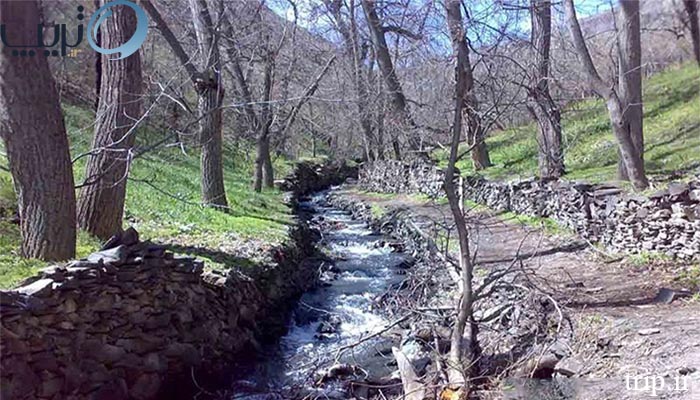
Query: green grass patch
671	134
13	268
377	195
377	211
549	225
163	193
646	258
421	197
162	201
690	278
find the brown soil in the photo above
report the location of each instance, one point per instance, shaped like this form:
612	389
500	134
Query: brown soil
620	329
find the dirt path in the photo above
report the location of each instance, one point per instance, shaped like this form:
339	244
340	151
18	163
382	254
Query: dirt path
625	338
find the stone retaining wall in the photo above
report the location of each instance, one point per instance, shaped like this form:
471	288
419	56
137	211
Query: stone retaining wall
667	222
115	325
392	176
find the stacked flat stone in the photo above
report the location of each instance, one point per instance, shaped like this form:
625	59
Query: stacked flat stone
667	222
392	176
114	325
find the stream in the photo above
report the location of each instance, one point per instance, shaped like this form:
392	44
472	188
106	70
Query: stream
336	314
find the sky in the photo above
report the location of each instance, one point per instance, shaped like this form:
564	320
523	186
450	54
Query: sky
584	8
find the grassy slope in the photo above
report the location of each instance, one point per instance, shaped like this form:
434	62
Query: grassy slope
155	212
671	131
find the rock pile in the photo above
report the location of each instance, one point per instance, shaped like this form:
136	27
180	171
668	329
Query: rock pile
113	325
667	222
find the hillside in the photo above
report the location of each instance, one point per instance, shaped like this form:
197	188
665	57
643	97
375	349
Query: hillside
671	131
162	202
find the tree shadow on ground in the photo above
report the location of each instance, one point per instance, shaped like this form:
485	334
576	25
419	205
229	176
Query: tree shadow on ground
566	248
639	301
227	259
673	99
682	133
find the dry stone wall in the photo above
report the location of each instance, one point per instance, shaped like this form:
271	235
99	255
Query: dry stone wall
667	222
115	325
393	176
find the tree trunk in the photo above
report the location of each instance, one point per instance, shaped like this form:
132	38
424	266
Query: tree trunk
211	140
268	171
313	146
632	159
32	128
461	364
476	137
691	8
101	202
630	79
211	92
541	105
401	121
263	164
379	136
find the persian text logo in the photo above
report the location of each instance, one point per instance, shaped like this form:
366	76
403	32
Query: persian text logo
131	46
60	35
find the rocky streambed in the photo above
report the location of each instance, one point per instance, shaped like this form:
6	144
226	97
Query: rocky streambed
335	343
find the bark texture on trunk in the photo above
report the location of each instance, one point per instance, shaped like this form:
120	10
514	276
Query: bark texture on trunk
462	351
263	162
401	121
691	9
630	79
211	140
633	161
540	103
210	91
101	202
34	134
476	137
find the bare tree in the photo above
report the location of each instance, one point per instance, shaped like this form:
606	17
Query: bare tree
624	101
32	128
264	50
400	118
541	105
462	353
101	201
348	29
210	91
207	83
691	9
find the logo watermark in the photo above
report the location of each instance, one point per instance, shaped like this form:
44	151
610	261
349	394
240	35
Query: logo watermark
654	385
128	48
60	35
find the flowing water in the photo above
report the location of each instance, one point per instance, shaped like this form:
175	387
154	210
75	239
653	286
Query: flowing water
339	313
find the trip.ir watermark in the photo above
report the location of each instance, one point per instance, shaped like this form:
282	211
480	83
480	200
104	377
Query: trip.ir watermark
654	385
